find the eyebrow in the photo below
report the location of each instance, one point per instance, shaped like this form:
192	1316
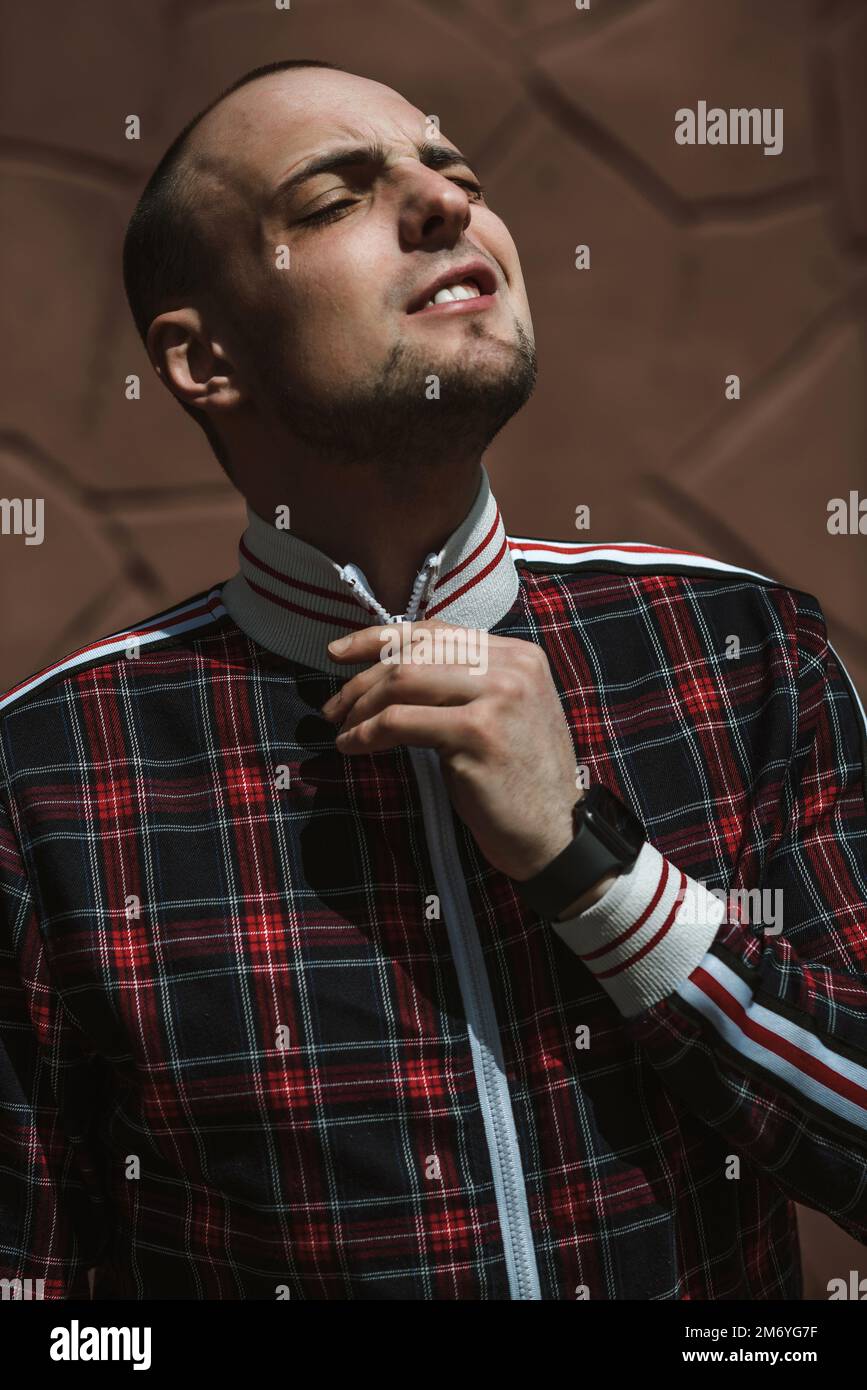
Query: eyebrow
433	156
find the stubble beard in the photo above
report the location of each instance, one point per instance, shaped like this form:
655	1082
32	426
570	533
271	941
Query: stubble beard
394	420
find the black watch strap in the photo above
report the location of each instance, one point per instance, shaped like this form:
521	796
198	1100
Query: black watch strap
608	838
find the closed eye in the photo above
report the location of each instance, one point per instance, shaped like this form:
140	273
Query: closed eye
332	209
325	214
473	187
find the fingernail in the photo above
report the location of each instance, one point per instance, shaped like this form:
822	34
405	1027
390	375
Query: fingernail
339	644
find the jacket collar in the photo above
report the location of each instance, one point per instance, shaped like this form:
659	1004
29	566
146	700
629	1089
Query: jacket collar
293	599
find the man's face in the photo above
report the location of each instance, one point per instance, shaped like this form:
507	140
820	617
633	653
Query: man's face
339	337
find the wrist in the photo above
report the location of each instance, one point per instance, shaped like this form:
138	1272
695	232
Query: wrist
606	840
545	852
593	895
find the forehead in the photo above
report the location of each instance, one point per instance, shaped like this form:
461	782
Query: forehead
260	132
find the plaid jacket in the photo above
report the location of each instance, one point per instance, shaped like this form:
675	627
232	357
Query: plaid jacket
270	1026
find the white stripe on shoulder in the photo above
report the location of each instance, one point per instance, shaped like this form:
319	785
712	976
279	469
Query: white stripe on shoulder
642	555
186	617
638	553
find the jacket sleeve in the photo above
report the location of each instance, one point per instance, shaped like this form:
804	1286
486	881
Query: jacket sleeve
51	1211
760	1028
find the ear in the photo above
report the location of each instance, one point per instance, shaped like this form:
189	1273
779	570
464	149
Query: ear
194	367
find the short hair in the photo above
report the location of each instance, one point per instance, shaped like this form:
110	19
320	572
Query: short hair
165	257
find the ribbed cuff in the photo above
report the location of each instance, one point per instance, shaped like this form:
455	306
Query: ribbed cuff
647	933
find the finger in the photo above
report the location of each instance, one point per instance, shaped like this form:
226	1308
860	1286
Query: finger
417	726
412	685
367	643
364	645
337	706
460	647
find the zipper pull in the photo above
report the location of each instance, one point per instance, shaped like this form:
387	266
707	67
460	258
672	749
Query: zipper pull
425	582
351	575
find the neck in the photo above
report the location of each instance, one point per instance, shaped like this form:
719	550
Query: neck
370	516
292	597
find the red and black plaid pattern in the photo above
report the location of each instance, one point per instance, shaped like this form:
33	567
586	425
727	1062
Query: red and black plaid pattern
234	1058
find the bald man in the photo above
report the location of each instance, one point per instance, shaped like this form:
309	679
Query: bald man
421	912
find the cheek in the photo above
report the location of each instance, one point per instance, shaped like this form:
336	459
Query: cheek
494	238
339	300
506	253
329	327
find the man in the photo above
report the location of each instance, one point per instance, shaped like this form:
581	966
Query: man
545	976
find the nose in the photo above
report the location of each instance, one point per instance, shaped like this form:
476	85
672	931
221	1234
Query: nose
434	211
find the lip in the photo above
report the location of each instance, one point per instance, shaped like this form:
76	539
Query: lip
478	270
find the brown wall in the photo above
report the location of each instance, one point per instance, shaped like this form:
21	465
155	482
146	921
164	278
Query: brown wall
705	261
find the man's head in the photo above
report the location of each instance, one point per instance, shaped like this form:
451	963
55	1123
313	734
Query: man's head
283	304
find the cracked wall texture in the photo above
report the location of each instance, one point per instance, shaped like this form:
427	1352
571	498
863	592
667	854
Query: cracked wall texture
705	261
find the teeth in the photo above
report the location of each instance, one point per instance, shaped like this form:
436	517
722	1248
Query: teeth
466	289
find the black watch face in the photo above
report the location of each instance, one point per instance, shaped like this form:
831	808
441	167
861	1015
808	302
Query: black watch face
617	827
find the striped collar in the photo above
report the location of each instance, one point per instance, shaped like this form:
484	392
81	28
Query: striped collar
292	599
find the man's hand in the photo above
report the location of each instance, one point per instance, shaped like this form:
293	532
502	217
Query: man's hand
505	750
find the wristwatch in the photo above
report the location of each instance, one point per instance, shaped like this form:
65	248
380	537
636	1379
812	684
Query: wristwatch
607	837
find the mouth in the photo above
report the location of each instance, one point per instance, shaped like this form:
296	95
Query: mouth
464	288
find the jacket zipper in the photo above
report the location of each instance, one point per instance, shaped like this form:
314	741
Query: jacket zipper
482	1026
493	1088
